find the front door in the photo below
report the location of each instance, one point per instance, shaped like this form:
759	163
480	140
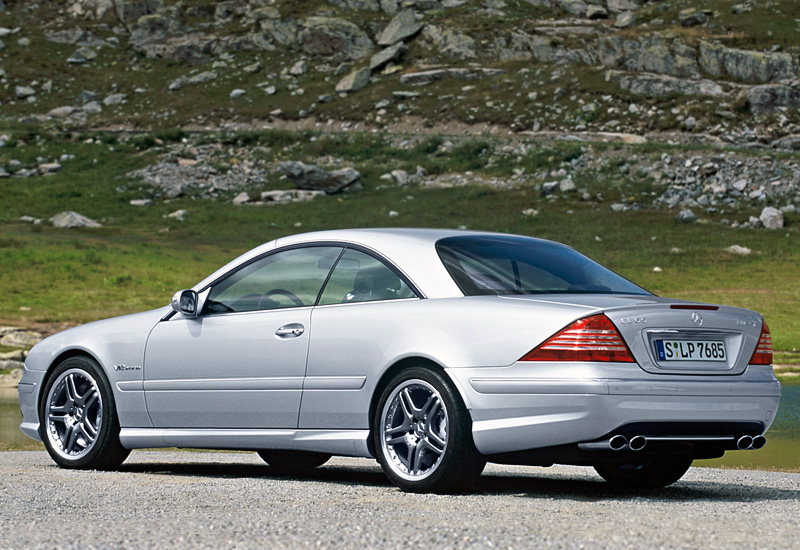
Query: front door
241	362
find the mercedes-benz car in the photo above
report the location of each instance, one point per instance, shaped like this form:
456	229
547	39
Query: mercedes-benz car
432	351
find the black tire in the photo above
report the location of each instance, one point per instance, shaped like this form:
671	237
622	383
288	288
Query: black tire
294	462
434	432
646	473
78	417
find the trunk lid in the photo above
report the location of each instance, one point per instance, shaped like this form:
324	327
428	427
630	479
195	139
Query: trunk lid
668	336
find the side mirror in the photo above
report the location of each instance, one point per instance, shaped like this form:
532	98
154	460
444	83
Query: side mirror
185	302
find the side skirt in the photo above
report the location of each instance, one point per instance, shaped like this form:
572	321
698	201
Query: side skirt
335	442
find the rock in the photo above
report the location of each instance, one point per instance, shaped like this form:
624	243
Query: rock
754	222
617	6
770	97
575	7
253	68
69	220
49	168
686	216
423	78
567	186
92	107
309	177
115	99
141	202
691	17
386	55
662	85
24	92
403	25
289	195
596	12
530	212
745	65
82	55
450	42
772	218
738	250
178	214
624	20
354	81
400	177
333	38
365	5
21	339
389	6
201	78
17	356
238	92
61	112
241	198
298	69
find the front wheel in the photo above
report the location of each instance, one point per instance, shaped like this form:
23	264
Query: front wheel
423	434
79	418
647	473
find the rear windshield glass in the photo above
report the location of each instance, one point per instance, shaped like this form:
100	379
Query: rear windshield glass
519	265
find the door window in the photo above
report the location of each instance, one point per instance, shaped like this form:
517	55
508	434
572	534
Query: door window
292	278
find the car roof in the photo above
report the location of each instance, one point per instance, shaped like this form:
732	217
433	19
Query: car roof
411	250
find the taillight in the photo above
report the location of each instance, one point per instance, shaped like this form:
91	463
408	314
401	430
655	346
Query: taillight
763	353
591	339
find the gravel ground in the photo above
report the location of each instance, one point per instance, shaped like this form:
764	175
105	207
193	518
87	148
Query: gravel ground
202	500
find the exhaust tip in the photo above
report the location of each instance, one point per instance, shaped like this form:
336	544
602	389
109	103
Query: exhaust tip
744	442
637	443
758	442
618	442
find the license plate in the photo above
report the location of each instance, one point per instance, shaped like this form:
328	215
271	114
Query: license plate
691	350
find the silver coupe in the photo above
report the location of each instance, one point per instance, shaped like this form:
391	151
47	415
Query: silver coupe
432	351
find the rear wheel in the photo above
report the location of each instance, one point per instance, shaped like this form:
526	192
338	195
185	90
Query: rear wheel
647	473
294	462
423	434
79	418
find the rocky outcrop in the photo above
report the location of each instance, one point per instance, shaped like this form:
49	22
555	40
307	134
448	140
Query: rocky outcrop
744	65
653	85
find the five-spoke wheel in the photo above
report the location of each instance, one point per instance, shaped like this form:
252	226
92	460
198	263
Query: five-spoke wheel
423	434
78	417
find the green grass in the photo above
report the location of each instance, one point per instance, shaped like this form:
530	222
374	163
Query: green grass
140	257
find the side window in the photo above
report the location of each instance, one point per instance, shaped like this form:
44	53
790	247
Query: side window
359	277
292	278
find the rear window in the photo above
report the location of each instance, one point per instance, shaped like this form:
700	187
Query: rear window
520	265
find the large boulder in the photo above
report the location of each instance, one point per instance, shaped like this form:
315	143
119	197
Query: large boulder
745	65
403	25
574	7
313	178
334	38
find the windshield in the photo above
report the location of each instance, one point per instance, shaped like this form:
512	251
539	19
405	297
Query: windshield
503	265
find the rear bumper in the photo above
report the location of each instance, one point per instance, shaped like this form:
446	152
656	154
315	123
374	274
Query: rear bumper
526	406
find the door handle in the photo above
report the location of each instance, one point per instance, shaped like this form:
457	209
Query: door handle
292	330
